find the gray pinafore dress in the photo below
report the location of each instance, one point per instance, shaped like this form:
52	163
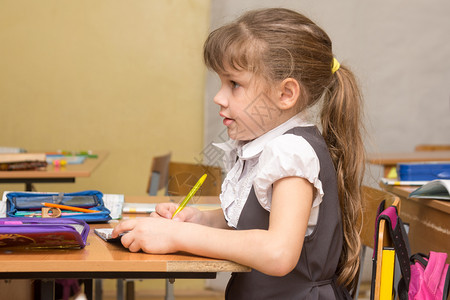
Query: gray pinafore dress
314	276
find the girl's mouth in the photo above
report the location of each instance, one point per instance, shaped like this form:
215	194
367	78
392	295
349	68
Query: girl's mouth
227	121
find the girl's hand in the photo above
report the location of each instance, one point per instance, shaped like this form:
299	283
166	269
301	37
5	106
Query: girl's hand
151	235
164	210
188	214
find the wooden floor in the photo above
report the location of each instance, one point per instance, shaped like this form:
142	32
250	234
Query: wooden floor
185	289
177	297
147	290
154	289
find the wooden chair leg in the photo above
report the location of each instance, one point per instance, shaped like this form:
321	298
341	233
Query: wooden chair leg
130	290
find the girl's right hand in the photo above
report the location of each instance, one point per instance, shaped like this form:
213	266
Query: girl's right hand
188	214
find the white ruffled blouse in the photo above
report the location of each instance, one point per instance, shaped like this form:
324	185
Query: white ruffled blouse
261	162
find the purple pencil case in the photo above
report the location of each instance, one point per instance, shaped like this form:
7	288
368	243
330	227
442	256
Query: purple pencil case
43	233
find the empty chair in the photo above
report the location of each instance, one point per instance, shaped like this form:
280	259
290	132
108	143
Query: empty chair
183	176
371	200
159	173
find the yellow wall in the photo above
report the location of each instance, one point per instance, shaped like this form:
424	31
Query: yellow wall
122	76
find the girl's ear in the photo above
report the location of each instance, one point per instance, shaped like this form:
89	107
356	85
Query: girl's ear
289	91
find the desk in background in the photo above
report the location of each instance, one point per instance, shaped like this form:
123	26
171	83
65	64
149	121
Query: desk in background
390	160
429	225
54	174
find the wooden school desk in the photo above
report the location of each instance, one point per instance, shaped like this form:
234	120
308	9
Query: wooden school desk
429	221
390	160
52	174
100	259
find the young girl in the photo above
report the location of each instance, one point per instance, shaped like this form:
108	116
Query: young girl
292	193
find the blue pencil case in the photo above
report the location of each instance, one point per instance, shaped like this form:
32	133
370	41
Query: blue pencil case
23	204
423	171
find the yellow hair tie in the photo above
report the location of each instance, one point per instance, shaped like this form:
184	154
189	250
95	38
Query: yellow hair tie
335	66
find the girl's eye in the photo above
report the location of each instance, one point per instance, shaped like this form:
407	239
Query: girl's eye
234	84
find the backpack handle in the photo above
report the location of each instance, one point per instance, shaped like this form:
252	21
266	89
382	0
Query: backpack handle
399	238
420	257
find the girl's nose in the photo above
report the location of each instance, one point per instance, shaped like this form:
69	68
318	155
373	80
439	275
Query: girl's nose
220	98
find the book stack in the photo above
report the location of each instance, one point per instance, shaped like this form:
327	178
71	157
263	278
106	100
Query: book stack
22	161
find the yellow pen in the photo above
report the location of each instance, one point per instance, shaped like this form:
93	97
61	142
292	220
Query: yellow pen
191	193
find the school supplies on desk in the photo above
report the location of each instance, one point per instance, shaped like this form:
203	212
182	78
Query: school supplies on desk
139	208
436	189
397	182
9	150
43	233
106	234
22	161
148	208
425	171
71	160
66	153
191	193
53	213
20	203
67	207
114	202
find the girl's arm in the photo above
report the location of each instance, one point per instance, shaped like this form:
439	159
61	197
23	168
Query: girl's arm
274	251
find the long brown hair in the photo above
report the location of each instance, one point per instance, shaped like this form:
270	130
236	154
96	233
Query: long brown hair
277	44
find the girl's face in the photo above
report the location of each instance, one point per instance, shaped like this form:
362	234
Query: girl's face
247	111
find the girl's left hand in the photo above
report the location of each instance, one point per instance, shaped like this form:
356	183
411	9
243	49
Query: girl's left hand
151	235
188	214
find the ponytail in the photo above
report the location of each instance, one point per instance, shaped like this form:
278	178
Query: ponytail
341	129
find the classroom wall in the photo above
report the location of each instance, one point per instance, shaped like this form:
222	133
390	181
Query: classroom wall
121	76
398	50
129	77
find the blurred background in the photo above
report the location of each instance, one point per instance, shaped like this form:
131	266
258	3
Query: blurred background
128	77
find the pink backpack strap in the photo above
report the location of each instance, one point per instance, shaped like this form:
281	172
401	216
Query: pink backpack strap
399	238
401	244
435	269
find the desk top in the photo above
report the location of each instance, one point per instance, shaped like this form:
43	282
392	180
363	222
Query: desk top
405	157
429	229
102	257
404	191
69	171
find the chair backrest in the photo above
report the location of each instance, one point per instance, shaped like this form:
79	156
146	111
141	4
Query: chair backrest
159	172
432	147
183	176
372	199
